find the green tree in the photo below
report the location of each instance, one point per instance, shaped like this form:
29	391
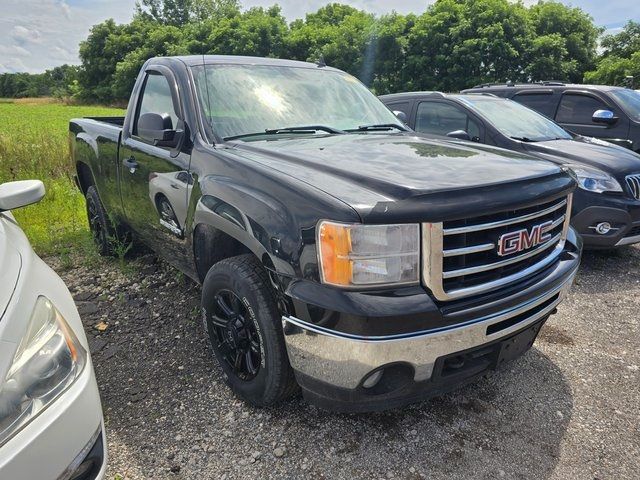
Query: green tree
460	43
339	33
100	53
388	45
564	44
623	44
182	12
620	58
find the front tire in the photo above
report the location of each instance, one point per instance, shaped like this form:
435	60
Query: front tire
243	324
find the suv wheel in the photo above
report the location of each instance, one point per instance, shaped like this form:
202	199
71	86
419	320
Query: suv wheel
243	323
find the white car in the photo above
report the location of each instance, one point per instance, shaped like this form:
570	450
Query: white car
51	424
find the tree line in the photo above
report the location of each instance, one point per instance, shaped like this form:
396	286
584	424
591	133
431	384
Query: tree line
453	45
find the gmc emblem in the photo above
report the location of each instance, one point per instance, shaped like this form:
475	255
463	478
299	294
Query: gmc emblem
514	242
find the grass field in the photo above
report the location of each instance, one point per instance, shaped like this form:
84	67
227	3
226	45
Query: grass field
34	144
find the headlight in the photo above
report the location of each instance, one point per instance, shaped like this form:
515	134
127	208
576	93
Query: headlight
368	255
47	361
595	180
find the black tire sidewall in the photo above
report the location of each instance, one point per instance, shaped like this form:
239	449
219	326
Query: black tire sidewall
263	388
102	242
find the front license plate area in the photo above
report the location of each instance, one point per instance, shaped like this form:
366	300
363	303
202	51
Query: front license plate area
468	363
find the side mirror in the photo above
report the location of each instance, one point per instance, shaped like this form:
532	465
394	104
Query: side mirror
401	115
158	129
20	194
604	116
459	134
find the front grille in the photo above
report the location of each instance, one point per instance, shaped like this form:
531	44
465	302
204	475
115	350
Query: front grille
462	257
633	182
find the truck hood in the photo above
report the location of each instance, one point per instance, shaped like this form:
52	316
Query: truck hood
10	265
613	159
411	175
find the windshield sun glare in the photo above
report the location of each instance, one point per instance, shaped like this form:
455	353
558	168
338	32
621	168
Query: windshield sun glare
240	100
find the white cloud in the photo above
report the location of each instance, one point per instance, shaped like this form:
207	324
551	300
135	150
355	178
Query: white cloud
66	10
40	34
23	35
12	65
6	50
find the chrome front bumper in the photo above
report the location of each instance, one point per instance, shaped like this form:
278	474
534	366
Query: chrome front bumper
344	360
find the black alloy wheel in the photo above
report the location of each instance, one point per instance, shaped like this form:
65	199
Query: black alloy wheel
244	325
237	337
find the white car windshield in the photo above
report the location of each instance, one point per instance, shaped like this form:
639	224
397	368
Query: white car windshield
239	100
515	120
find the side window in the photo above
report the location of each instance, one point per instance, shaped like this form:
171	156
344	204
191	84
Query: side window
578	109
156	98
543	103
400	106
441	118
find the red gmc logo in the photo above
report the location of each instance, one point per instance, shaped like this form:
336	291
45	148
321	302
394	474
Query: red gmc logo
514	242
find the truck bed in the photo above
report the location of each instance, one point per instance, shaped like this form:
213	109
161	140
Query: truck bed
119	121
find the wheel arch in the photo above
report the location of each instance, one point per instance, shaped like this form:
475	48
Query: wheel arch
85	176
212	244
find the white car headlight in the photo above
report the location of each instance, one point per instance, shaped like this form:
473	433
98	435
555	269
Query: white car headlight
594	180
353	255
46	363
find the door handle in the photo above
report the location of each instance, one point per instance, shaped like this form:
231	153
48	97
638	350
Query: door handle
131	164
174	186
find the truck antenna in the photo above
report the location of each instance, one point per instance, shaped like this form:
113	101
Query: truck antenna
321	63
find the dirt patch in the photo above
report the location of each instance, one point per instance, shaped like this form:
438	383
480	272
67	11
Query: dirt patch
555	335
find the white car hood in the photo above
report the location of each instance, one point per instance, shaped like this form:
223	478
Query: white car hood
10	264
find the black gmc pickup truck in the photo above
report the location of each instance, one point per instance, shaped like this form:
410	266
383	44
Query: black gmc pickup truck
338	251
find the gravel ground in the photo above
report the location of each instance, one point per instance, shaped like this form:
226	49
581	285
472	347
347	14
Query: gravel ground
569	409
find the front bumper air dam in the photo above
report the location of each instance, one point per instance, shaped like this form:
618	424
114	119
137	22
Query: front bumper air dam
622	213
333	368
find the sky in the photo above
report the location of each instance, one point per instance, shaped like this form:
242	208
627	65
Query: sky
40	34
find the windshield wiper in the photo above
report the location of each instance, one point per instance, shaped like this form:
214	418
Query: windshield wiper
524	139
378	126
303	129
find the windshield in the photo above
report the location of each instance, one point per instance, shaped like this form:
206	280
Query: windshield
247	99
629	100
515	120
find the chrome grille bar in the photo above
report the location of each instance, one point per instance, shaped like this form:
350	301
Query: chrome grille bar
454	252
503	263
633	182
457	280
502	223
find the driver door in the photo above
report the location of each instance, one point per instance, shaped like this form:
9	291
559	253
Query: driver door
575	113
153	189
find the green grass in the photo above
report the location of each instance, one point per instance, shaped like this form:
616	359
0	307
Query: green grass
34	143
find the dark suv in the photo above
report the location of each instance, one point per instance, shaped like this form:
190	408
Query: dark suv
606	207
609	113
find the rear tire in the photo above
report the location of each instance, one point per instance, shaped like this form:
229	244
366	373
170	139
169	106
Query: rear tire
244	327
102	230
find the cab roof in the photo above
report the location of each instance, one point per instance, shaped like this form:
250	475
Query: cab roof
195	60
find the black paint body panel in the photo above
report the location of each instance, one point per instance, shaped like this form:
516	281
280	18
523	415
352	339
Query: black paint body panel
270	195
